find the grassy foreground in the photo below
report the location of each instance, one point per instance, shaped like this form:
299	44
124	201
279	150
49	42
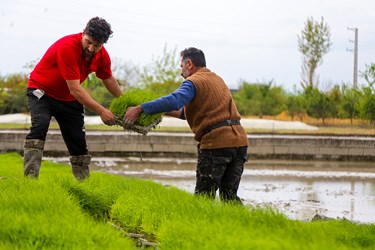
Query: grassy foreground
58	212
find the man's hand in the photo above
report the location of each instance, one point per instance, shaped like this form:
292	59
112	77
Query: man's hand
107	117
81	95
132	114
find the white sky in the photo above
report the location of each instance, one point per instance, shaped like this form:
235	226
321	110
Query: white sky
249	40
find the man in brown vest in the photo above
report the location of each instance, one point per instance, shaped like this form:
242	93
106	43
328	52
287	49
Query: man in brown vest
205	101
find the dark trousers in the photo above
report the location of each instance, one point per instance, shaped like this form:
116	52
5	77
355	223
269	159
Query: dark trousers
69	116
220	169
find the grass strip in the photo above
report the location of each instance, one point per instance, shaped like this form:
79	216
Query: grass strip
41	214
58	212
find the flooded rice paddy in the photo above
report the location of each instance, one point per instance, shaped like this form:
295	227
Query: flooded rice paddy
299	189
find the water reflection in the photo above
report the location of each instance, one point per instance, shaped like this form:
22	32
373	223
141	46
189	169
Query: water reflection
300	189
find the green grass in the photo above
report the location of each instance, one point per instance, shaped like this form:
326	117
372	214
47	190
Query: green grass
58	212
43	214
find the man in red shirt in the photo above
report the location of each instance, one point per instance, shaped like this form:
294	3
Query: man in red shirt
54	89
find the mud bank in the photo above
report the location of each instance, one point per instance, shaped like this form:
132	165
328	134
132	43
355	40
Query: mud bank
167	144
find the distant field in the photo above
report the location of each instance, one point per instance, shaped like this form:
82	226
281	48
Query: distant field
337	129
330	127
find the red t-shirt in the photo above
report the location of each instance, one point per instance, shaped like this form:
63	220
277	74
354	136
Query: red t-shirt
64	60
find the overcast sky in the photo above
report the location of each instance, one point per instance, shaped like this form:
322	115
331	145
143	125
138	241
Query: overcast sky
255	41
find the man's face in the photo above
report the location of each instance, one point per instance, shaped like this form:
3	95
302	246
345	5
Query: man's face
89	46
185	68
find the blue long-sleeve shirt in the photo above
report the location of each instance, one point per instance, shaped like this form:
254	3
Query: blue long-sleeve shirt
174	101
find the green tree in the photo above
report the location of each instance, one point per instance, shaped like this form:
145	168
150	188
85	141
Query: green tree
13	94
245	99
296	105
260	99
368	103
272	99
313	43
367	106
369	73
319	104
162	75
335	99
350	99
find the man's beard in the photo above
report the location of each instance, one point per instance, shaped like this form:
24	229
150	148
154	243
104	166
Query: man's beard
87	53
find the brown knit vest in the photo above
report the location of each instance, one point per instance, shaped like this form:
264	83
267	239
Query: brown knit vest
213	103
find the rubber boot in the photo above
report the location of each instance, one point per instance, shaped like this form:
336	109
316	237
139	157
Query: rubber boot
80	166
32	157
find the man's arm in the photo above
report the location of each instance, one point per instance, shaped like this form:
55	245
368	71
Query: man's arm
80	94
111	84
132	113
172	103
175	113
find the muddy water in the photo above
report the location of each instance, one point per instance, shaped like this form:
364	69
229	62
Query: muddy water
299	189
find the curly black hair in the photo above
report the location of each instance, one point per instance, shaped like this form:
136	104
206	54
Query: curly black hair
98	29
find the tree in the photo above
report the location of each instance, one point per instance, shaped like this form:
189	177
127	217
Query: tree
313	43
245	99
162	75
368	94
319	105
335	98
349	105
369	73
296	105
260	99
13	94
272	99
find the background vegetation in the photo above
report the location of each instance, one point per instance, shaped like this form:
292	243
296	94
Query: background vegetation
341	101
261	99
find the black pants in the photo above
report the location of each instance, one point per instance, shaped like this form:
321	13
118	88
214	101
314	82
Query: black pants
220	169
69	116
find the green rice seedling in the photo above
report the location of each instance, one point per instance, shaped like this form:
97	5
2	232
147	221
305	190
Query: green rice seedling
137	213
353	235
134	97
11	165
57	212
179	220
40	214
97	194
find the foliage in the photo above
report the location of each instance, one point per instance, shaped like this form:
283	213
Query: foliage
369	73
335	99
162	75
34	216
296	105
260	99
13	94
134	97
313	43
349	106
319	105
368	103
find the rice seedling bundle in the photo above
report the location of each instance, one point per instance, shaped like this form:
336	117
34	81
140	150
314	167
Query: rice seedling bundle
135	97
